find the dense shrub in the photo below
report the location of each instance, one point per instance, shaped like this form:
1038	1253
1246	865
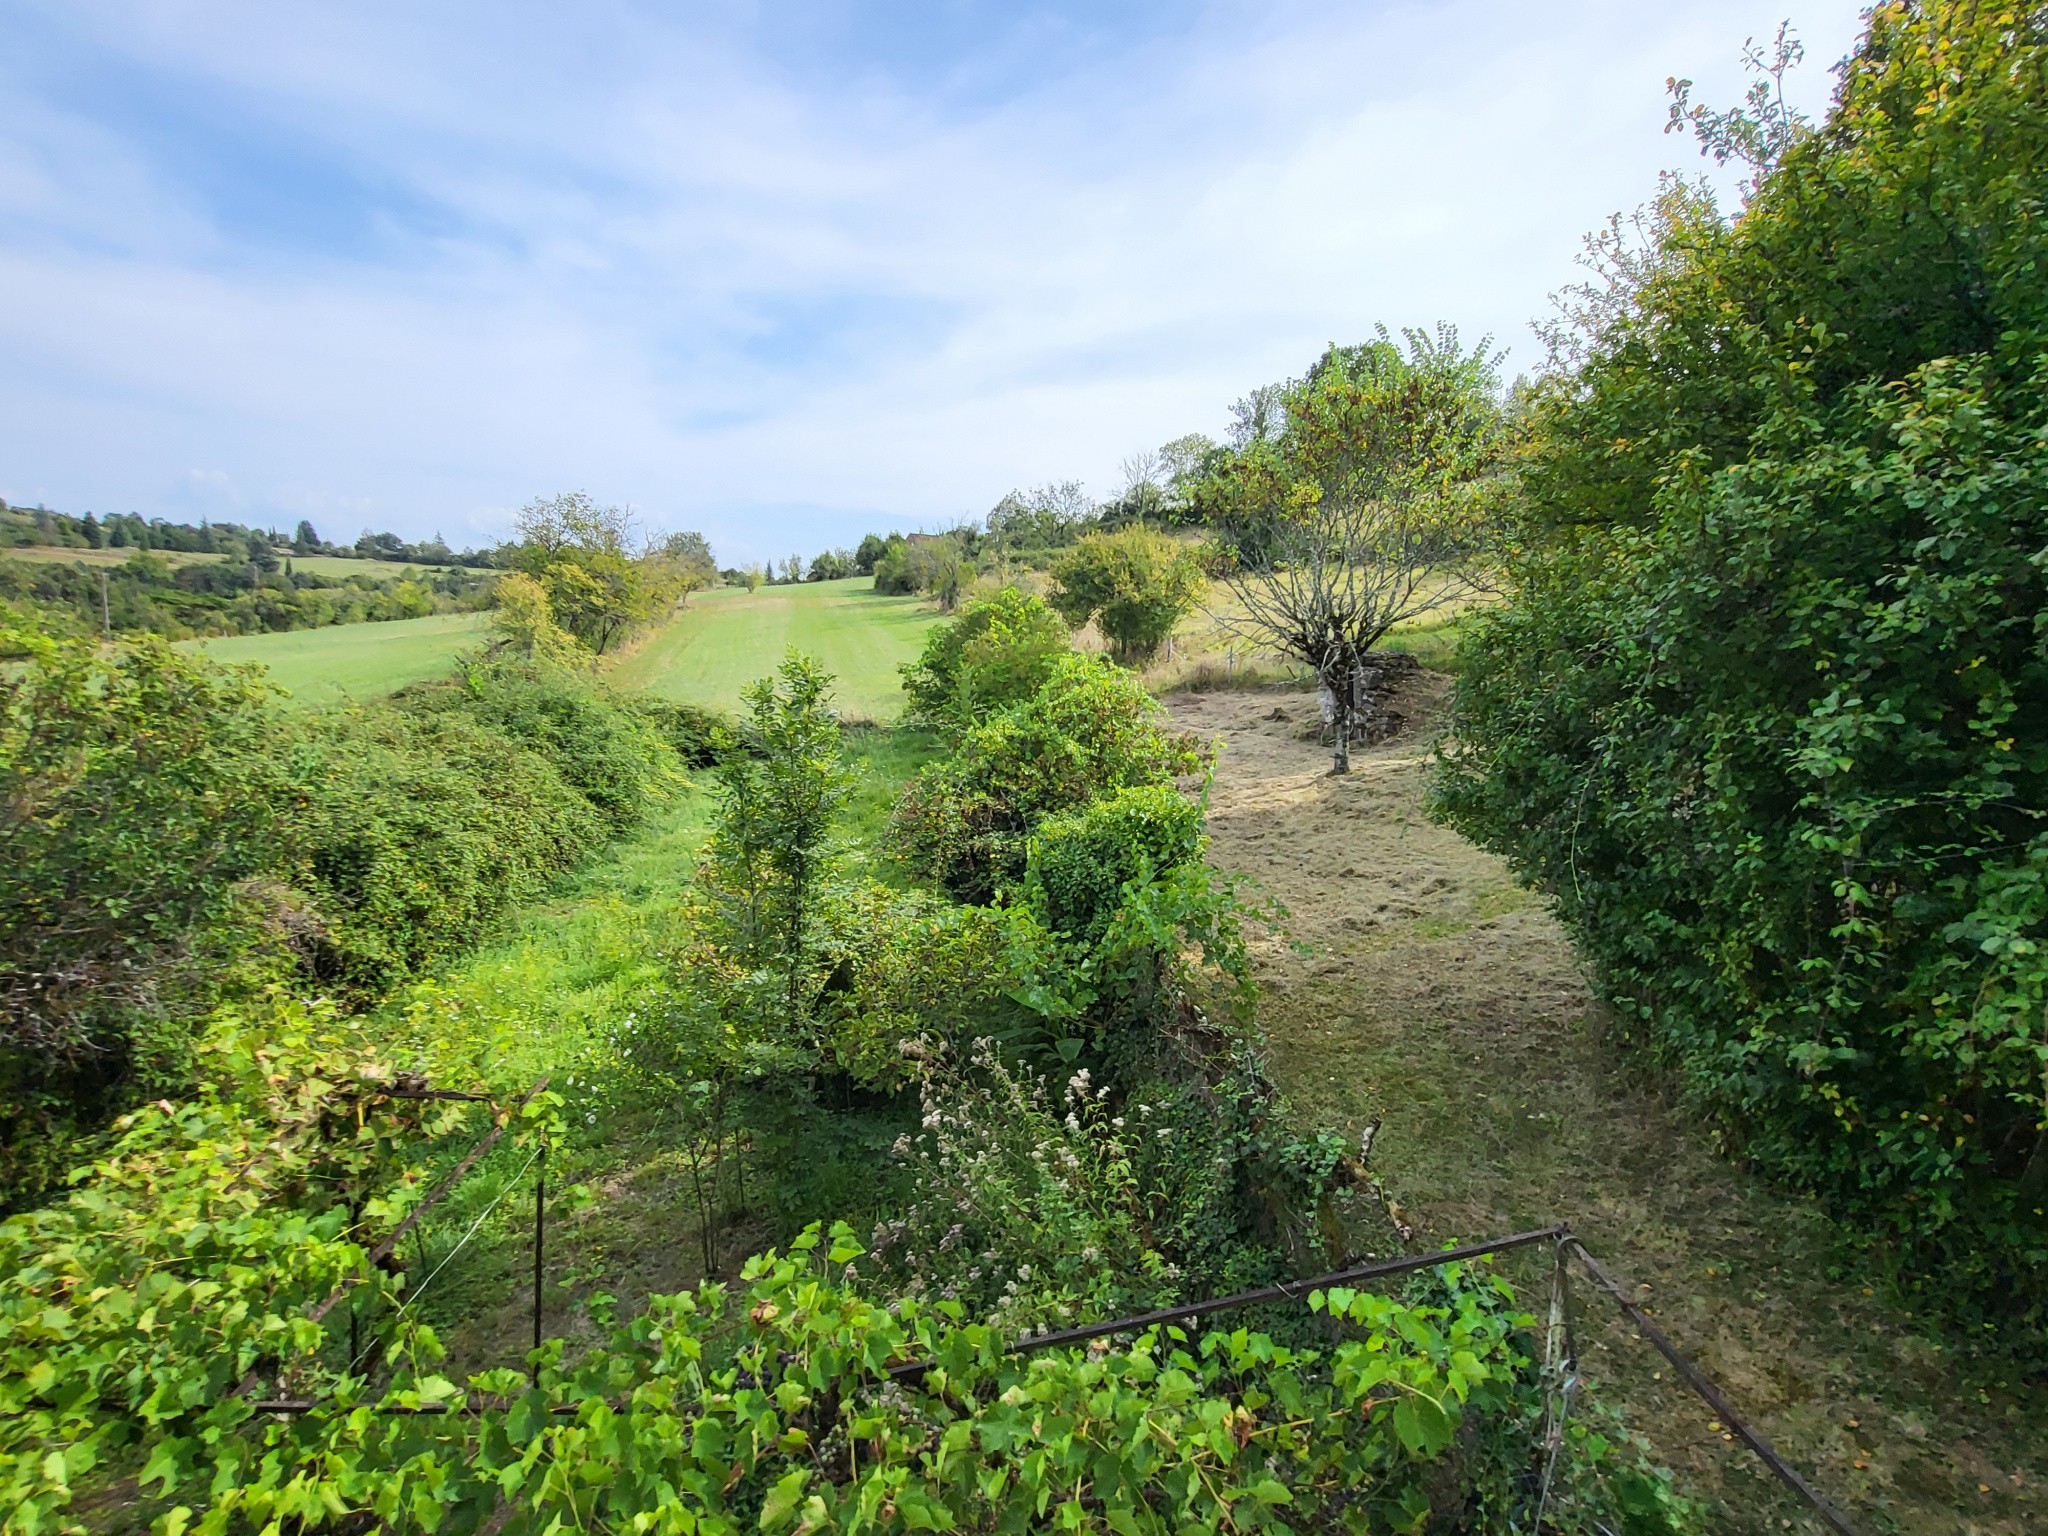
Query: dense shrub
1136	583
1089	731
180	841
414	832
1080	862
1769	714
608	751
141	789
698	735
998	652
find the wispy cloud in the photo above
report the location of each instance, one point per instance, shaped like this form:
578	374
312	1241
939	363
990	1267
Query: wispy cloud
783	273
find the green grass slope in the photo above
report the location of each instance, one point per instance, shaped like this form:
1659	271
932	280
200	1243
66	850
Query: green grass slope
353	661
728	637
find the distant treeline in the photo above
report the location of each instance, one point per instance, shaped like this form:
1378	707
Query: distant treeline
146	594
599	575
22	527
1025	529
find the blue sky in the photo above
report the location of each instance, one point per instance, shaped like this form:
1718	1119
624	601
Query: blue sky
783	273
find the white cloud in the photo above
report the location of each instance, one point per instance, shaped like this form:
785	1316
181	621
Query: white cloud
779	301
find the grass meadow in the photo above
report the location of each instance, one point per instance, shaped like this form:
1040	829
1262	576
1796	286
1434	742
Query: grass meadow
727	637
352	661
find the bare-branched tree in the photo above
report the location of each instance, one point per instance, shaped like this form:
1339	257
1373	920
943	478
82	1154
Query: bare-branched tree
1365	507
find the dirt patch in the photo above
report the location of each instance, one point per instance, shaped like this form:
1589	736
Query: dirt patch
1423	984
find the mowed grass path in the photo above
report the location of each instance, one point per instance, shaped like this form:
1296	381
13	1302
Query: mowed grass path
353	661
728	637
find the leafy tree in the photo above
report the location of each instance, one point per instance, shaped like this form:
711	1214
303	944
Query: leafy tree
523	623
602	579
832	565
1363	510
1768	715
771	852
691	552
926	563
1044	517
1135	583
552	527
872	547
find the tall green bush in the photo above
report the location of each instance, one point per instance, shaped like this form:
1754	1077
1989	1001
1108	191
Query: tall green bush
998	652
1136	583
141	791
1769	713
1080	862
1089	731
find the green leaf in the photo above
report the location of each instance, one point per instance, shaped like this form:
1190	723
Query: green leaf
1422	1425
781	1504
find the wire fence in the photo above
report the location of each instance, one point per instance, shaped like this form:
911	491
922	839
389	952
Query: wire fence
1561	1374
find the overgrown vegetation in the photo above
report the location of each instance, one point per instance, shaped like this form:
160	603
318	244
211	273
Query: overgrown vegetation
1136	585
237	595
1766	713
1080	1121
182	842
1761	714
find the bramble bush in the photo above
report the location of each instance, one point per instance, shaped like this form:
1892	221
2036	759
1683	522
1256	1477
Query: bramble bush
142	789
771	1410
181	842
1768	714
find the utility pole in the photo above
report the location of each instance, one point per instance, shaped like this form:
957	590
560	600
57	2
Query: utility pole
106	609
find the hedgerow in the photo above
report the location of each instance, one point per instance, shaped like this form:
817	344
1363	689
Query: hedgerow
1768	714
181	842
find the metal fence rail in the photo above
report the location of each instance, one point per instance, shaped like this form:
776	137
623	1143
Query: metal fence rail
1558	1369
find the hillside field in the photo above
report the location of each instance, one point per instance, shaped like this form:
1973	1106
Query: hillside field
728	637
723	640
352	661
335	567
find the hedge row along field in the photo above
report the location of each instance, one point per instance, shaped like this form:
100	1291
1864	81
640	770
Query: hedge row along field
179	841
1031	1054
1767	713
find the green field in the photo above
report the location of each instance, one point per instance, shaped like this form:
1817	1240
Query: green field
339	566
727	637
722	641
353	661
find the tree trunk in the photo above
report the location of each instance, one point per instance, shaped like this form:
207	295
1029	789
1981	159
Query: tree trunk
1337	685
